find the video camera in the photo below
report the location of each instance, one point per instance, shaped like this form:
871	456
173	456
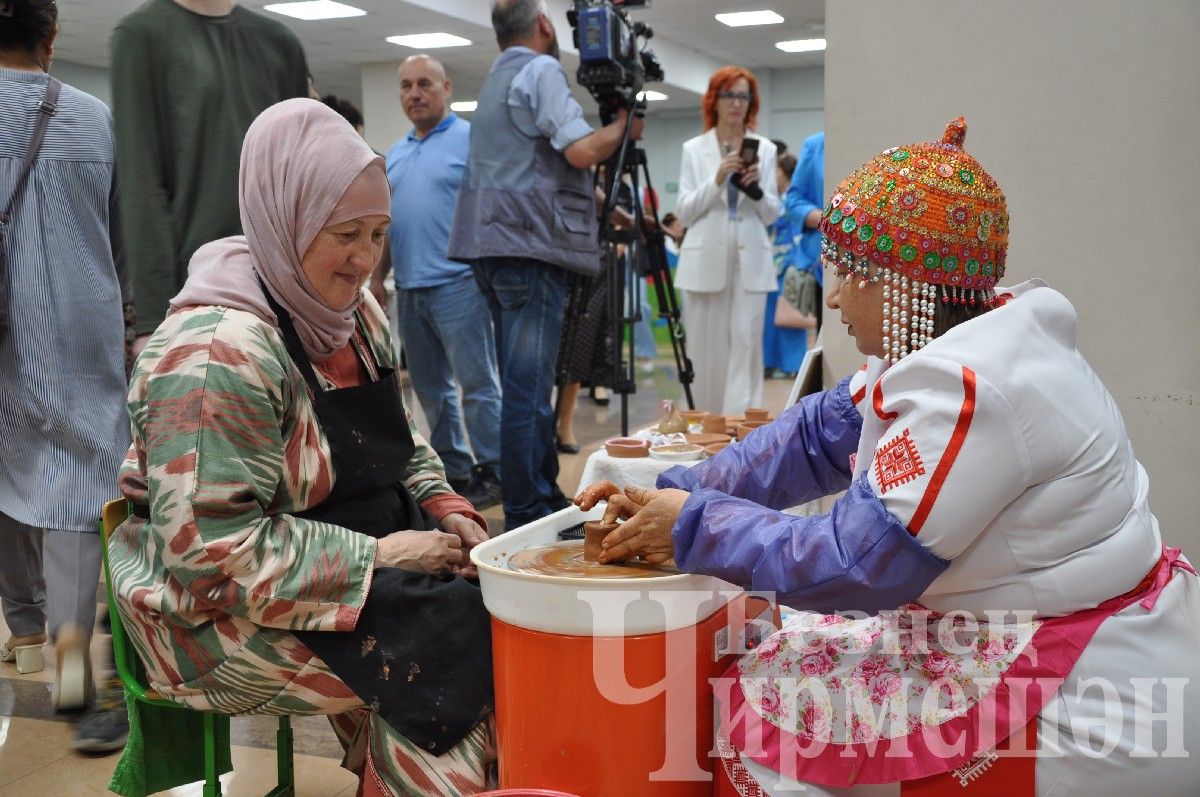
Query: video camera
613	61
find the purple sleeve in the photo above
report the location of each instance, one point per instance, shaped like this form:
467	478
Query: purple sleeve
859	557
801	455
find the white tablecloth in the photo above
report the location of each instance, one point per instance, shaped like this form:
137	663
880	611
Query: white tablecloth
642	471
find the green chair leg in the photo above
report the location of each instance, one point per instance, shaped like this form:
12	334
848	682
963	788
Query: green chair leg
216	726
212	778
283	760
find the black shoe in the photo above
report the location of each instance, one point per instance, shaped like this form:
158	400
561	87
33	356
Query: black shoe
568	448
601	400
484	489
106	726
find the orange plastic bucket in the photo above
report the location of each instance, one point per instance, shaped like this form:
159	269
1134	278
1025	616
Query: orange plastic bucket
558	728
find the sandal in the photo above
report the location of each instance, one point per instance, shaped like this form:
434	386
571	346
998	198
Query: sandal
26	651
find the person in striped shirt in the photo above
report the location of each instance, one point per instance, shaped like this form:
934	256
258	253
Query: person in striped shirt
62	366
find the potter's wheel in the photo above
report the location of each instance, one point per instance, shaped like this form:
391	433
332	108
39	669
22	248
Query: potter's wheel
565	559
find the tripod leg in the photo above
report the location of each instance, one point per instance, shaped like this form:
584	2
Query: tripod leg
660	277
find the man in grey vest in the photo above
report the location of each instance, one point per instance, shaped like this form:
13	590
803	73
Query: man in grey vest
525	216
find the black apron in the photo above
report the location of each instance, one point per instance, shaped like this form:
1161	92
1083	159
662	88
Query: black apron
420	655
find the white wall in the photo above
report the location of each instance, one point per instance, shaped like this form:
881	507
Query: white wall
383	117
1086	112
91	79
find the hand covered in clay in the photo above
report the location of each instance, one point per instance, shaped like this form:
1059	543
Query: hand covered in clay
471	534
595	493
651	514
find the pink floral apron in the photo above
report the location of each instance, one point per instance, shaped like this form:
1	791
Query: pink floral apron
905	695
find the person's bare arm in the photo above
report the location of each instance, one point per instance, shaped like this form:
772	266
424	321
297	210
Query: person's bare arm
595	147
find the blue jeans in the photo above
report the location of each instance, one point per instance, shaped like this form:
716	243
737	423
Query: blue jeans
527	299
447	336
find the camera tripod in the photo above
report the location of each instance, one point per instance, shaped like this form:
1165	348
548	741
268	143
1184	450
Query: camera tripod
622	279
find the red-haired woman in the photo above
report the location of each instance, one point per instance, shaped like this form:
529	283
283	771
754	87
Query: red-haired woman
725	265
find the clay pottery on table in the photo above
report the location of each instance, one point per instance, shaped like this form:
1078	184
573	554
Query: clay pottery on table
715	448
757	414
746	427
713	424
626	447
707	438
694	416
594	533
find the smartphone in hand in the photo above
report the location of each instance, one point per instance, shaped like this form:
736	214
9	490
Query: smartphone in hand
749	151
749	155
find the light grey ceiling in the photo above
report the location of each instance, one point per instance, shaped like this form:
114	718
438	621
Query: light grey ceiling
693	24
337	49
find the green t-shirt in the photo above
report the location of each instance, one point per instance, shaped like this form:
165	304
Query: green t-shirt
185	89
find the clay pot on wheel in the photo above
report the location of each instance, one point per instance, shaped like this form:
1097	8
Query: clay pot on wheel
594	533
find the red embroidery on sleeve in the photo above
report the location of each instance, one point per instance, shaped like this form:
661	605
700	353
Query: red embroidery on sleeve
947	461
877	400
859	395
898	462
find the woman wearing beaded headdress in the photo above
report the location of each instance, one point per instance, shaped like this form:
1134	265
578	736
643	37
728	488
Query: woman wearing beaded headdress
1007	583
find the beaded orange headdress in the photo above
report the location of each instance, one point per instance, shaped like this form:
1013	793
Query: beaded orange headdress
931	220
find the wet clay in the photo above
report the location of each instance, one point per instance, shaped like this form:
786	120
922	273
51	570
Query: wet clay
567	559
594	533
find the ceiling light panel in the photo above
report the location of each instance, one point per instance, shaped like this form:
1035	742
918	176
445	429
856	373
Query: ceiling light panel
315	9
801	45
740	19
429	41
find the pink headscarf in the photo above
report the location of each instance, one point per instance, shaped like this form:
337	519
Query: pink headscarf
303	168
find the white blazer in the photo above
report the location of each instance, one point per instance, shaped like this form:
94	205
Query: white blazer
703	208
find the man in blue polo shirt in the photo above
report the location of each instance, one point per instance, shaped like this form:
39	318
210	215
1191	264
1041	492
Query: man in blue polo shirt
445	324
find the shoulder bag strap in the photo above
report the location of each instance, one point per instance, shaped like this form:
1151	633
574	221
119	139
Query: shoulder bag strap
46	109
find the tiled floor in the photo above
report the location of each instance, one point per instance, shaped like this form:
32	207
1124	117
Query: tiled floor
35	755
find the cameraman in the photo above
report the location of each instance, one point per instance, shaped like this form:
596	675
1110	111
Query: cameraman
525	215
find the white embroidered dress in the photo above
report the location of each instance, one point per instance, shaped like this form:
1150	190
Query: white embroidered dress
1001	451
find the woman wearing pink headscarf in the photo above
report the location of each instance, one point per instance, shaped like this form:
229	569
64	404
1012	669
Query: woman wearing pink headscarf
294	547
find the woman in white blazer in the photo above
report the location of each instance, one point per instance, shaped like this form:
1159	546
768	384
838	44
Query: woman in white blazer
725	266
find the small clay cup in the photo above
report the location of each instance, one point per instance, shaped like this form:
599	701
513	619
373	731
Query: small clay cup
757	414
714	424
627	447
594	533
715	448
694	416
746	427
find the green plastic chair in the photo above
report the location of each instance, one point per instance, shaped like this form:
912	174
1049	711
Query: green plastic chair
132	674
